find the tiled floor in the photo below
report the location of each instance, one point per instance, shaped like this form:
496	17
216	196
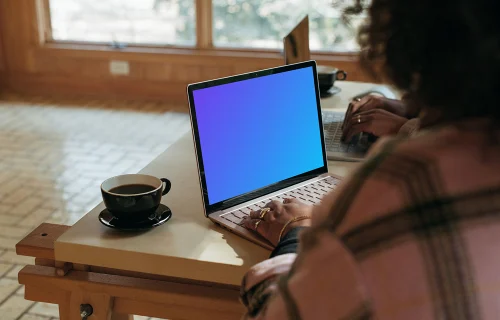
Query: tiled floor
52	161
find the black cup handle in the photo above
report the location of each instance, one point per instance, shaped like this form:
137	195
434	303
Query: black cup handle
343	73
167	187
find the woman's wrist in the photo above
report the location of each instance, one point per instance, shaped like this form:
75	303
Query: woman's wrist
289	243
296	224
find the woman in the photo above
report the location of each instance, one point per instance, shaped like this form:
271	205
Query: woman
412	234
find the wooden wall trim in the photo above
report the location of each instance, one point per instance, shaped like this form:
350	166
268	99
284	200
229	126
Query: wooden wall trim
69	49
15	28
2	55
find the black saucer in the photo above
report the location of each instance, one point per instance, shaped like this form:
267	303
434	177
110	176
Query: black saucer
331	92
162	215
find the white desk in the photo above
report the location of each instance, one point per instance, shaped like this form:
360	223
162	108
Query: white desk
189	246
186	269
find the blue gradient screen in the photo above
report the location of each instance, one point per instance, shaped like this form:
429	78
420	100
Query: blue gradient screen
257	132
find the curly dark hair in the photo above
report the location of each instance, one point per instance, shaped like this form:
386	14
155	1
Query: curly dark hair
445	54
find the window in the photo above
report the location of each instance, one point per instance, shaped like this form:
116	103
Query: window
235	23
158	22
264	23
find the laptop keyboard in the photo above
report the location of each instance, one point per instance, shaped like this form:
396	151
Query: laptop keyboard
309	194
332	126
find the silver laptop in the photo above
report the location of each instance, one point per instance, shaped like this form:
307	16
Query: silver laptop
259	137
296	49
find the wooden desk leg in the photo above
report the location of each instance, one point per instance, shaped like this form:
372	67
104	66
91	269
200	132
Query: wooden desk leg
101	306
65	314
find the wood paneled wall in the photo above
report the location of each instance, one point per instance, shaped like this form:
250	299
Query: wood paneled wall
2	60
35	66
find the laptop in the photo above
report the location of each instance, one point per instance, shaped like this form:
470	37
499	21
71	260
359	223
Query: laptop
296	49
258	137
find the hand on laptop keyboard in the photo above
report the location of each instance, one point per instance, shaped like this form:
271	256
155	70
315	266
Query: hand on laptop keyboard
376	115
309	195
371	102
377	122
270	220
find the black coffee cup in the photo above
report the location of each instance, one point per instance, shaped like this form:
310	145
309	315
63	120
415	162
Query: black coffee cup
133	197
327	77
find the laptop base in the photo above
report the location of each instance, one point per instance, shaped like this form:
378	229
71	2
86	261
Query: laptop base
309	192
345	156
241	231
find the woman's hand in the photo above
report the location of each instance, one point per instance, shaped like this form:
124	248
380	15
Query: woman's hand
278	214
376	121
372	102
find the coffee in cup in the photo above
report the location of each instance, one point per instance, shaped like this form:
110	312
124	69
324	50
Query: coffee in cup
134	197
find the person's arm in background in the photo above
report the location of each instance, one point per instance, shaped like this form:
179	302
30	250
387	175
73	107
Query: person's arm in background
379	116
409	128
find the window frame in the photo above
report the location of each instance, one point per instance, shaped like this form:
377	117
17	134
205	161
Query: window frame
204	40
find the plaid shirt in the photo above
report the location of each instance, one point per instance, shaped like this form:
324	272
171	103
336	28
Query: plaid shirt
413	234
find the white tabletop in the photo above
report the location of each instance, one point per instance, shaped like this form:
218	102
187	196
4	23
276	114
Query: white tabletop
189	246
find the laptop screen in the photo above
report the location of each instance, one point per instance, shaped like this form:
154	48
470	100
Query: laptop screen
258	131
